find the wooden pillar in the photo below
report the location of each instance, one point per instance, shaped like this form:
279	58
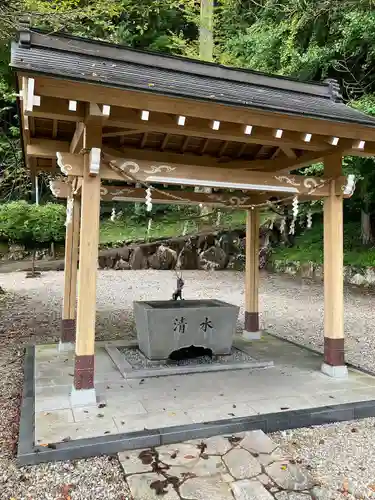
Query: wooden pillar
251	330
334	357
88	263
68	324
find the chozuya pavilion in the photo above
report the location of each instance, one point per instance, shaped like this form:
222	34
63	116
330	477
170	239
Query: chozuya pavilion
97	112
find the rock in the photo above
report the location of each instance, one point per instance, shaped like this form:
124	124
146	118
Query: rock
357	279
123	252
206	241
230	243
131	463
258	442
187	258
140	487
213	259
370	276
138	259
307	270
108	258
237	262
201	488
250	490
319	272
122	265
241	464
16	252
292	268
164	258
283	495
290	476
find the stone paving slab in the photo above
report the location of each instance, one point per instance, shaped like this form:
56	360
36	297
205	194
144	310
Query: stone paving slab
134	405
186	471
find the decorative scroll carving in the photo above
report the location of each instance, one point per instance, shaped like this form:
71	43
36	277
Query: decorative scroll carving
235	201
154	169
309	182
64	167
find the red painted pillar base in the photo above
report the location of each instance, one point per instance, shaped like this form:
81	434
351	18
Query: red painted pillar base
84	372
334	352
251	321
68	331
334	358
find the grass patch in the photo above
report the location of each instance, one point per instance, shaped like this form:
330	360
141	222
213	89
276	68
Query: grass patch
163	226
308	247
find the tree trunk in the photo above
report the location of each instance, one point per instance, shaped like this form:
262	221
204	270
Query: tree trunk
366	231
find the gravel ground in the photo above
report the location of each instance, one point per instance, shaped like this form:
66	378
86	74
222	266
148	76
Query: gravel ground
340	456
31	309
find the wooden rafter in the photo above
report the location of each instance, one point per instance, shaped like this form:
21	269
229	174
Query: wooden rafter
185	144
222	149
165	142
144	140
153	102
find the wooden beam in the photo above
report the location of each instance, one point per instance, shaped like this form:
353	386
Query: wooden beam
46	148
252	274
289	152
225	178
77	142
121	133
154	102
237	199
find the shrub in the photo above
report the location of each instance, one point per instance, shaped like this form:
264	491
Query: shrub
32	224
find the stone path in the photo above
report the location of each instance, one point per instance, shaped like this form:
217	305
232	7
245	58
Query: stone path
248	466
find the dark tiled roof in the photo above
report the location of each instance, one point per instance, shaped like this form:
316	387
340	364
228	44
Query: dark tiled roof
117	66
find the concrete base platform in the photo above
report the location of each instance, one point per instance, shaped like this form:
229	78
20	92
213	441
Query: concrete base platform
143	413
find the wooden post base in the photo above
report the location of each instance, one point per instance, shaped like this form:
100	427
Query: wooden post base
84	372
251	321
68	331
251	328
334	358
334	352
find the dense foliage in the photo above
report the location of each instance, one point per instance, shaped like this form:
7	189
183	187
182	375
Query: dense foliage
25	223
306	39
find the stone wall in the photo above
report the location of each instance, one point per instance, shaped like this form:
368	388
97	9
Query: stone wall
215	251
353	275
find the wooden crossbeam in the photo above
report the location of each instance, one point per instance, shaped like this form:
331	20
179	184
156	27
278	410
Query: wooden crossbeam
188	175
46	148
237	199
